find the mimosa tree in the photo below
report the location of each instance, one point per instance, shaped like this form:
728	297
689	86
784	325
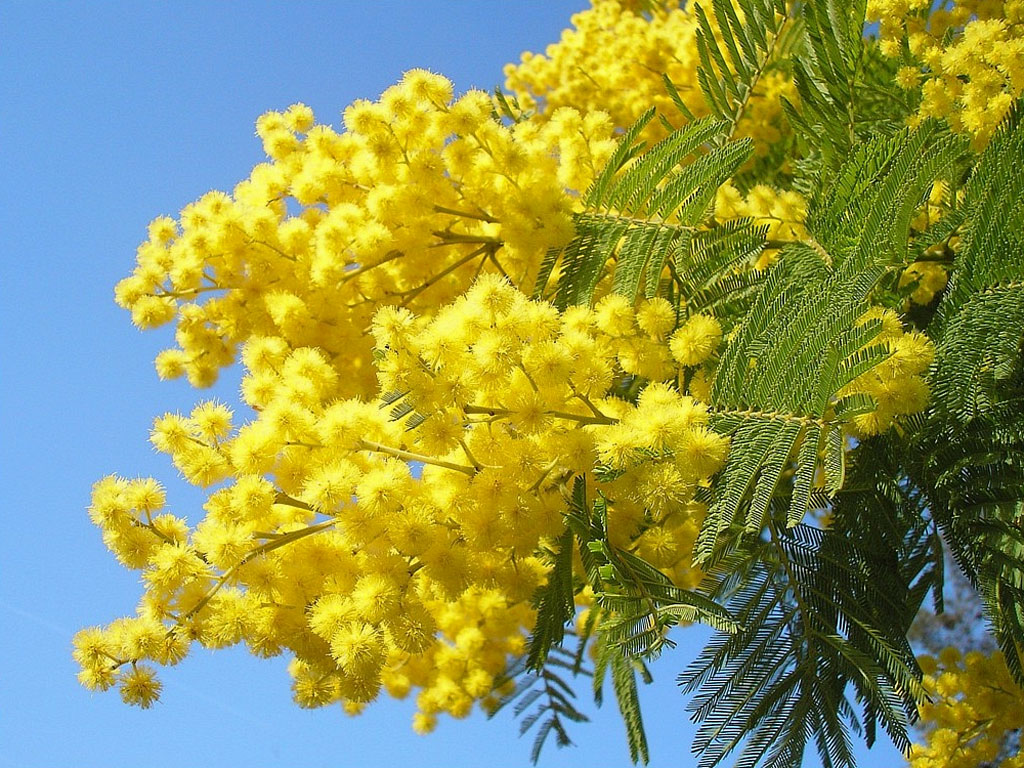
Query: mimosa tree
714	314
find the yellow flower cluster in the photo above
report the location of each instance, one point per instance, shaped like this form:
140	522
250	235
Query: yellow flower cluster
613	60
420	193
924	279
326	545
419	423
975	702
968	59
897	384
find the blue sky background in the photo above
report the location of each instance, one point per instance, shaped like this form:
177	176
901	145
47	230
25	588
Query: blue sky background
112	113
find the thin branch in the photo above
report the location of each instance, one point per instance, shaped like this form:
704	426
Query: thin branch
390	256
485	410
447	271
398	453
466	214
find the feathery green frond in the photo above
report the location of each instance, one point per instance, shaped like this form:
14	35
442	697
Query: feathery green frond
729	70
980	321
814	622
543	699
973	440
554	603
644	210
802	339
624	672
846	88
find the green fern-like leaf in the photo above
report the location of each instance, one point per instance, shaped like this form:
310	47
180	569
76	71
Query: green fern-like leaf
543	699
814	622
554	602
732	62
646	209
802	339
972	443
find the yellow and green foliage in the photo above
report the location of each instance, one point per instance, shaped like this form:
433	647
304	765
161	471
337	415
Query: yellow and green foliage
710	316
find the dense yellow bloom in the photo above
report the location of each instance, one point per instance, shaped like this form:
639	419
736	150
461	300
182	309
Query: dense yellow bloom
974	703
421	192
418	423
969	58
613	60
782	213
325	545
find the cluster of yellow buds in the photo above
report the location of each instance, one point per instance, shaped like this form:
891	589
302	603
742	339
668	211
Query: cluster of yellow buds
328	543
967	59
783	212
975	703
614	59
897	384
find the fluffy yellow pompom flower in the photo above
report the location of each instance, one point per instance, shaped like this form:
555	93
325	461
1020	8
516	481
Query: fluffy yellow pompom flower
139	686
656	317
975	702
696	341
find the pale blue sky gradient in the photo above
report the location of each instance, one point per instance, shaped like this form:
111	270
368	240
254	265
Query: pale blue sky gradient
112	113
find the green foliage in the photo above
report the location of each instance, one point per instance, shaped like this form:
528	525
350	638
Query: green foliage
554	602
801	341
637	606
846	88
543	699
812	620
969	450
978	322
730	69
814	623
645	213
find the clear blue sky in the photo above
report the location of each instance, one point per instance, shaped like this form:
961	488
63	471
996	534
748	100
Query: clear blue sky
113	113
